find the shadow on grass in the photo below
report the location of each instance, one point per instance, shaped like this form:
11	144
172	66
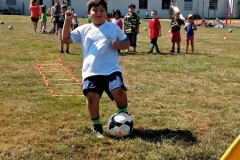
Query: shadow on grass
150	135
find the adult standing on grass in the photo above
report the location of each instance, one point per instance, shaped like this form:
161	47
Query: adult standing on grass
101	71
35	14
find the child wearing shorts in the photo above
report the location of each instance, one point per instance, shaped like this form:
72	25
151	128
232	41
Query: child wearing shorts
131	26
175	32
190	27
101	71
60	28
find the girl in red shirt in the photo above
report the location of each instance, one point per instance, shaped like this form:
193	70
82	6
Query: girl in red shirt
154	27
35	14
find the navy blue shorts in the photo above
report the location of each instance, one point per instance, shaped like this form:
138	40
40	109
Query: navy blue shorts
132	38
98	84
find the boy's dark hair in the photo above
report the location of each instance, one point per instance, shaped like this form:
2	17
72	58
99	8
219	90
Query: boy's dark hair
131	6
43	8
95	3
109	15
177	13
117	11
154	11
63	6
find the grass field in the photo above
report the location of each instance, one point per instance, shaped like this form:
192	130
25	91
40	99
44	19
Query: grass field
184	106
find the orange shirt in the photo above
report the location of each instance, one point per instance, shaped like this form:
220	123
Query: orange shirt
35	9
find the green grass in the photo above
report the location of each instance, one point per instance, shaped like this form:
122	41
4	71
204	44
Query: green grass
183	106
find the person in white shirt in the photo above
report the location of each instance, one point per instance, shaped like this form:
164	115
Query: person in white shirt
101	71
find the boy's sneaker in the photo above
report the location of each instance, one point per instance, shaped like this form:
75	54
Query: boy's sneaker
61	51
172	51
149	52
158	52
98	130
67	51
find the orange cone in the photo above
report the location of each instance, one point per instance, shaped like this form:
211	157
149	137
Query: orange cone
226	38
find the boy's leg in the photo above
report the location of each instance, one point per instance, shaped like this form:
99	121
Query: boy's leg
173	42
92	89
156	46
151	46
67	48
173	47
92	102
178	44
61	47
117	91
134	38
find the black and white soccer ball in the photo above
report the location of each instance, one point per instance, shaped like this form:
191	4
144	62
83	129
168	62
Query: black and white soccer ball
230	31
120	125
145	28
2	22
10	27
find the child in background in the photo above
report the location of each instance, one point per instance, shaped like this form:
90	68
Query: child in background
74	24
101	71
175	30
60	27
131	26
43	19
89	19
154	27
190	27
108	17
117	19
52	20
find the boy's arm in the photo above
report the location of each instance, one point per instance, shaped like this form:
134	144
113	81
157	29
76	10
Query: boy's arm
121	44
66	27
138	25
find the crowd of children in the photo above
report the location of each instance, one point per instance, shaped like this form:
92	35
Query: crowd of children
130	25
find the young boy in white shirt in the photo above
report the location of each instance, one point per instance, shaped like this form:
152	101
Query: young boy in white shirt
100	42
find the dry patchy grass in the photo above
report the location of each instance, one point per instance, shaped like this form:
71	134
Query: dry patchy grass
184	106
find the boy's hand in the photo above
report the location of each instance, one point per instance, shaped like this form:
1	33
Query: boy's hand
116	44
69	15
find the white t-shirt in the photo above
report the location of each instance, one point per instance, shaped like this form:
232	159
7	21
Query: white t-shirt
99	57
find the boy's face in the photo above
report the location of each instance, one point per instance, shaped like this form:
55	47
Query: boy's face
63	10
177	16
98	15
131	10
153	15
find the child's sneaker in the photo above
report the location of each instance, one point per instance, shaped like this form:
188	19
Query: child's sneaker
67	51
61	51
98	130
149	52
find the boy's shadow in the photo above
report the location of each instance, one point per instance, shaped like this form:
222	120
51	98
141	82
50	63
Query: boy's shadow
150	135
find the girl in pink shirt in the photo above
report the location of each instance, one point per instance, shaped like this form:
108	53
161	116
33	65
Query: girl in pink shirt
117	19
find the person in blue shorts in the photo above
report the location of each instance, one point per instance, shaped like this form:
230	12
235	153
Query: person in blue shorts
100	41
131	26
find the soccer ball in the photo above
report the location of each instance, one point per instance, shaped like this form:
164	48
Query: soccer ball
10	27
2	22
145	28
120	125
230	30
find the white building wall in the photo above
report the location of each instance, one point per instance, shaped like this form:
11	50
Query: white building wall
198	7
